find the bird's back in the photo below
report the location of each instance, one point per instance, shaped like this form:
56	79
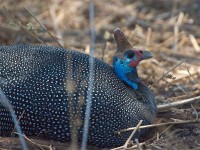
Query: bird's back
48	86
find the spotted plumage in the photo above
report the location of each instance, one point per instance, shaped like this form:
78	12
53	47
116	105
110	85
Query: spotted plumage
47	86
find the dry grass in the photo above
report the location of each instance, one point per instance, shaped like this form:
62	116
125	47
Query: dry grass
168	28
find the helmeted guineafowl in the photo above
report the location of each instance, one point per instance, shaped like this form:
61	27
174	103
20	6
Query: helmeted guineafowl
47	87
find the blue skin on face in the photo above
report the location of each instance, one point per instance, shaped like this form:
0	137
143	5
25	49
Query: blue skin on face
125	72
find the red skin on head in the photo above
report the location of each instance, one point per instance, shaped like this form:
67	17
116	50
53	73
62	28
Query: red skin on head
134	63
139	57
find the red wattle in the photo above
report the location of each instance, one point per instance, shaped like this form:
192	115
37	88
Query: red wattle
133	63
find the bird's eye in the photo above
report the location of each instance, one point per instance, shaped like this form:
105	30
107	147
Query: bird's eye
130	54
141	52
121	62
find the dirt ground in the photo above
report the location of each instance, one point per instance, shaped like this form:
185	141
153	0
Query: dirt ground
170	29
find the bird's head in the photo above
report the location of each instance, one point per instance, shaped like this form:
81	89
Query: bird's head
127	59
125	51
133	57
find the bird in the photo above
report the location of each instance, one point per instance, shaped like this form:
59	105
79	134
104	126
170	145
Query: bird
47	88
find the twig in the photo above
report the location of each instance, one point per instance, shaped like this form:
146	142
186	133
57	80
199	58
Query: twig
169	39
52	11
156	146
118	148
194	43
91	78
32	34
175	104
103	50
165	74
180	18
44	28
176	31
130	137
5	102
18	121
40	146
192	75
134	131
149	33
138	144
18	23
196	113
158	135
158	125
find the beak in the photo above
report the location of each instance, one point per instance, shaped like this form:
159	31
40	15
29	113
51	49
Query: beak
147	54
